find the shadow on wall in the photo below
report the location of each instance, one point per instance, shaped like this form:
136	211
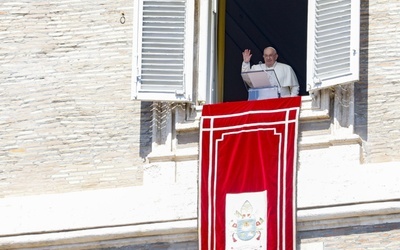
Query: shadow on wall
361	87
146	116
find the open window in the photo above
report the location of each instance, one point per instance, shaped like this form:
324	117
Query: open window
332	43
162	66
318	38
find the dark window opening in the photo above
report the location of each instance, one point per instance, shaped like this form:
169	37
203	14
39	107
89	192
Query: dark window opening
257	24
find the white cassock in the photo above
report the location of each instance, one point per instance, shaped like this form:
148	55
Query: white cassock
285	74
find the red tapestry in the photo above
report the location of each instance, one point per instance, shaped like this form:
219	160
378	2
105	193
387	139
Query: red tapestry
248	174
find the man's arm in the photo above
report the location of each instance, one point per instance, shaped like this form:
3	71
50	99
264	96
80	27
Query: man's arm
245	66
294	90
246	60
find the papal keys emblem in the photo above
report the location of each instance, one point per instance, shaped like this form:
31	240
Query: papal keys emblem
247	224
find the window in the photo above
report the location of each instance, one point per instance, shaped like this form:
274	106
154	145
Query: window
162	66
163	46
332	43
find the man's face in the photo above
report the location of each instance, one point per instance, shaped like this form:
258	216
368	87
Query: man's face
270	57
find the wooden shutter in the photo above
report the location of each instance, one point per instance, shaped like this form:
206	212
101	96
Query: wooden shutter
163	50
333	42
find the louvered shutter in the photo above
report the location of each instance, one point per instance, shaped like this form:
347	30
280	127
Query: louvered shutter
333	42
163	50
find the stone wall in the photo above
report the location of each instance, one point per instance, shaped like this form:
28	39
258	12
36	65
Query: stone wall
67	121
377	95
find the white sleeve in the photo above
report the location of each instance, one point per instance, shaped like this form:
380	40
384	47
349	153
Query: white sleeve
294	90
245	66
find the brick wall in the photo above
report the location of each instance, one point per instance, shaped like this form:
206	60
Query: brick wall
378	92
66	118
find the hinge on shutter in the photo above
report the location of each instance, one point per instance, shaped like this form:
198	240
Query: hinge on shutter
316	80
138	80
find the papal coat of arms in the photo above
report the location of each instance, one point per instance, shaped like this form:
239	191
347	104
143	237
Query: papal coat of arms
246	226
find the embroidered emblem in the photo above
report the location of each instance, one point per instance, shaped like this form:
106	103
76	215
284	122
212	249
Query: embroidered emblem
246	221
247	224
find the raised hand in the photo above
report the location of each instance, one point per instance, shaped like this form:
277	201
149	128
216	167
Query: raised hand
246	55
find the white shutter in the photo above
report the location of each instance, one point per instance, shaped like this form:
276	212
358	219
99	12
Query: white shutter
332	42
163	50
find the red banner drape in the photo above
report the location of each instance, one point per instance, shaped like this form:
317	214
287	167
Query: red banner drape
248	174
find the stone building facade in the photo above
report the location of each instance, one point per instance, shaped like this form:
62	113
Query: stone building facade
68	120
70	126
376	93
